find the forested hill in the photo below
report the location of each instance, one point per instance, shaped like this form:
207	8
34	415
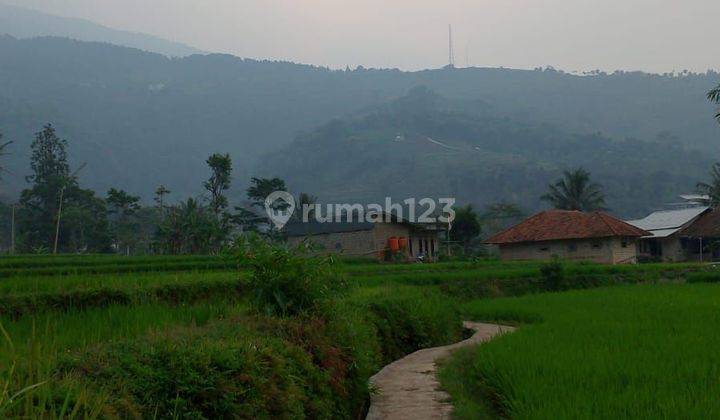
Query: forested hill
424	145
140	119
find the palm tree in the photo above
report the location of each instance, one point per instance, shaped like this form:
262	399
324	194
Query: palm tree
714	96
575	191
712	190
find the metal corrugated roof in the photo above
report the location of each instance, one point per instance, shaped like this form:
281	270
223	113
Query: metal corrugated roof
666	222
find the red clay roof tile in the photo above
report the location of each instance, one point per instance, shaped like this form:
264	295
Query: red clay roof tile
563	224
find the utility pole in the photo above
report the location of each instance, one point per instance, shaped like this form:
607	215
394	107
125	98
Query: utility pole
451	53
12	231
60	206
57	222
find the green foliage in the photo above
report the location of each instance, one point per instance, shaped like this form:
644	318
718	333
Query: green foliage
466	227
124	227
575	191
285	281
83	220
160	194
714	96
190	228
221	168
703	277
260	188
552	275
413	321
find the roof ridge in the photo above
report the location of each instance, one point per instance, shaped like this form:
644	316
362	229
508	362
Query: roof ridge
604	220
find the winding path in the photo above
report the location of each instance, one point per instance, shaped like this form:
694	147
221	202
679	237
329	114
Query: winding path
408	388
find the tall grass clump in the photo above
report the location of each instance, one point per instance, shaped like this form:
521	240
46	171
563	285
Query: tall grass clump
287	281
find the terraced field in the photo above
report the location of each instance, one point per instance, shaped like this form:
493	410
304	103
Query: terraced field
119	337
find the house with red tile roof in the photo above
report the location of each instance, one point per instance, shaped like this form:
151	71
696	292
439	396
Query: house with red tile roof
571	235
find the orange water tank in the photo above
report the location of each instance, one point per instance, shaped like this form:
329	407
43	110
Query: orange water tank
393	244
403	242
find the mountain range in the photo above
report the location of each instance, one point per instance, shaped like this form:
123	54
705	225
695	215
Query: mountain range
424	145
21	22
140	119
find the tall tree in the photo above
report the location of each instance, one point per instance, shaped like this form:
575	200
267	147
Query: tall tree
49	178
221	168
160	194
262	187
466	227
714	96
711	189
121	211
575	191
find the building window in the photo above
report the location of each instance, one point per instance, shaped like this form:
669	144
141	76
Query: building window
545	249
421	245
624	243
410	246
572	247
338	246
596	244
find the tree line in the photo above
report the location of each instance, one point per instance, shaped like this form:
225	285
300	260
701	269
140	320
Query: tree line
55	214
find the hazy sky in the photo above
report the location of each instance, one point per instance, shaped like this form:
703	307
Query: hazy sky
651	35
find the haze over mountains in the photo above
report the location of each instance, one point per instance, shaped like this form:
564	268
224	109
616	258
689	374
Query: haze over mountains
27	23
141	119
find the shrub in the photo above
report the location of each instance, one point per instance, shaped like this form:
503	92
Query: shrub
552	275
287	282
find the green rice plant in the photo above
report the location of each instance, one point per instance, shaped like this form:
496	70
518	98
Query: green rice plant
175	292
704	277
639	351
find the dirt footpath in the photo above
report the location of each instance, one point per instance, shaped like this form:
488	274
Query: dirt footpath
408	388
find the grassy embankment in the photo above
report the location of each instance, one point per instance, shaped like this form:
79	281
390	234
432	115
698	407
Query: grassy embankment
133	343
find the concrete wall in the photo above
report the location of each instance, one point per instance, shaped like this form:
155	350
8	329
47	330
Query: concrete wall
375	241
603	250
671	249
360	243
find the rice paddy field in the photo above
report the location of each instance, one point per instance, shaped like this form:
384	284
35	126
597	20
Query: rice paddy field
160	337
642	351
